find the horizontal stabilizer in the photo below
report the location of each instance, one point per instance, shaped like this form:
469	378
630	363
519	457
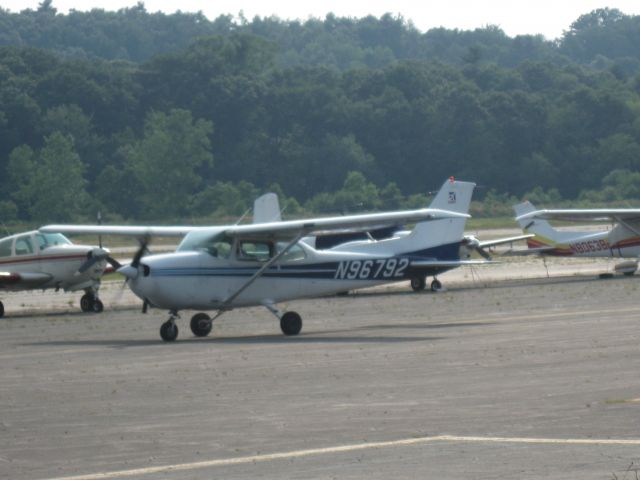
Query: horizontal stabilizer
449	263
503	241
529	251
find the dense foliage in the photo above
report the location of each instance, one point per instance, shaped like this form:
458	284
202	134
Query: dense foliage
155	116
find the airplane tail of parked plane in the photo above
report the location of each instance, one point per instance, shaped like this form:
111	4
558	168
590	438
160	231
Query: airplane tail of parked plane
445	234
547	239
266	209
541	228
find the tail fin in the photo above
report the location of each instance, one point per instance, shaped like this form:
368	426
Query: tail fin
266	209
446	233
541	228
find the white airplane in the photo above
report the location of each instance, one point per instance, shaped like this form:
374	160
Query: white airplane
366	242
225	267
621	241
35	260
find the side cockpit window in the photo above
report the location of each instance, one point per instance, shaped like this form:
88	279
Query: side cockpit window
5	247
216	245
46	240
294	254
254	250
24	245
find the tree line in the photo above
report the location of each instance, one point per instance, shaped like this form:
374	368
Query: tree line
362	114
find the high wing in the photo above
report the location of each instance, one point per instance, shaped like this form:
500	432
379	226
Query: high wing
291	229
17	280
581	215
137	231
286	230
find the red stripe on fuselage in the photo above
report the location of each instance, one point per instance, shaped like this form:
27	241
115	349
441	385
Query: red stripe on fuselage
48	258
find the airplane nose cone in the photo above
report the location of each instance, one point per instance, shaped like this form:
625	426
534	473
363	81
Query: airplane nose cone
128	271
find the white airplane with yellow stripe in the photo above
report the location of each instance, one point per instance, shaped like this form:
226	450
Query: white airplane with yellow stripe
621	241
225	267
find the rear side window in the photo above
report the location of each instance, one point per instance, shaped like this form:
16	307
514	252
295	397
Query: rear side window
5	247
24	246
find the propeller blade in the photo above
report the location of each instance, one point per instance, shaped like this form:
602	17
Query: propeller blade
145	305
141	251
113	262
93	256
483	253
89	262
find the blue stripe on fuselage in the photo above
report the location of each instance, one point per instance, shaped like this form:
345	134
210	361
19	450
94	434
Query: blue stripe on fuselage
382	268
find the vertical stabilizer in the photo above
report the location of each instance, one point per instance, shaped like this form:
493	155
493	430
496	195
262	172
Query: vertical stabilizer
541	228
266	209
447	233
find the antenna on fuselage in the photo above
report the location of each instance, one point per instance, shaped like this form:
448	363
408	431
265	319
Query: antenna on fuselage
99	218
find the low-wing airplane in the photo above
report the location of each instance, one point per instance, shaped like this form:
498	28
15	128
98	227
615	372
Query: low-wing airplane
35	260
225	267
621	241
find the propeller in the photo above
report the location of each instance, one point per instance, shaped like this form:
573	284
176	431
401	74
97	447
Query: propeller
131	271
471	243
97	255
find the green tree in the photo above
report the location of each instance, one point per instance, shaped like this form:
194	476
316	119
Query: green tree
49	183
166	161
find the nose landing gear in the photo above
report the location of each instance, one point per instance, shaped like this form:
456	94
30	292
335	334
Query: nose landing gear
169	329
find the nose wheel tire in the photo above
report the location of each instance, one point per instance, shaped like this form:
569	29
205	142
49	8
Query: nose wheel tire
1	310
436	285
291	323
201	324
418	283
169	331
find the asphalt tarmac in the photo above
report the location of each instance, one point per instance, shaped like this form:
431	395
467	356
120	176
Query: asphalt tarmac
529	378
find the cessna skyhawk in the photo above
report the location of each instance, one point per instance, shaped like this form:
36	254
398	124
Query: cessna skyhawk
36	260
621	241
225	267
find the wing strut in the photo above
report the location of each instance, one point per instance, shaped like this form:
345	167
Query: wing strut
628	225
258	274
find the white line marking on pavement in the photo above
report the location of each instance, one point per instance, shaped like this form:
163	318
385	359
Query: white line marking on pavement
224	462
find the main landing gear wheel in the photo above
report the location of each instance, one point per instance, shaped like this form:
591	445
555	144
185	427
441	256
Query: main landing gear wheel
291	323
418	283
86	302
169	331
436	285
201	324
1	310
90	303
98	307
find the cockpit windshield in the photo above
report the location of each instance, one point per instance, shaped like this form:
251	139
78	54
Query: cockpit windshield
46	240
214	243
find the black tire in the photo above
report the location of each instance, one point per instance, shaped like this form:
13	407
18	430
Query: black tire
201	324
86	302
169	331
418	283
98	306
1	310
436	285
291	323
